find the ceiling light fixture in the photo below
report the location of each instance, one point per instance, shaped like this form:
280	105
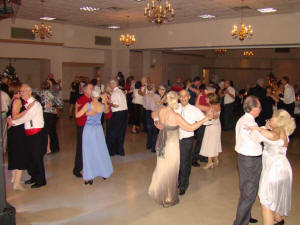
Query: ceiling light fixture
127	39
89	9
207	16
245	31
267	10
157	13
47	18
113	27
43	30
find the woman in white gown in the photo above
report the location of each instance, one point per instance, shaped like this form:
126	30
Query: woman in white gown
164	185
275	187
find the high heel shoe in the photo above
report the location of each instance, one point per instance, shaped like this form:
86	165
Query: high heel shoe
208	165
18	187
86	182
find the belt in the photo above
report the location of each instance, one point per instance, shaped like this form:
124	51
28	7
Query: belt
186	138
32	131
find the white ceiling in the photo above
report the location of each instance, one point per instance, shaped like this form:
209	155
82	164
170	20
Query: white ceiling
67	11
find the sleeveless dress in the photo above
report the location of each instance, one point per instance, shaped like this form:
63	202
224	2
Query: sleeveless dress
95	156
275	186
17	156
164	185
211	144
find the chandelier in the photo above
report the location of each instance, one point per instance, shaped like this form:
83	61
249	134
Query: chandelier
248	53
245	31
42	31
127	39
158	13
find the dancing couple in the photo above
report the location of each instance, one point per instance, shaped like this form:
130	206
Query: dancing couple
266	171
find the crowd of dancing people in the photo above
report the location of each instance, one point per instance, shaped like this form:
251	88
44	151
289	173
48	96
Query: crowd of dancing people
183	124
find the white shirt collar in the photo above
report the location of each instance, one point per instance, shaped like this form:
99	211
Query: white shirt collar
249	115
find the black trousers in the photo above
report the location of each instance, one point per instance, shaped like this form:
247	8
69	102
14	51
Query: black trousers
50	126
249	172
290	108
186	155
152	132
117	131
228	116
137	114
78	156
35	149
199	133
144	121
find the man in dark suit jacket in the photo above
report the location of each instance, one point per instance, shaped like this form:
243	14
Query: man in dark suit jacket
260	92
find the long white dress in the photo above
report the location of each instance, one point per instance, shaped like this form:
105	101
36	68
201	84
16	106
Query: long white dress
275	186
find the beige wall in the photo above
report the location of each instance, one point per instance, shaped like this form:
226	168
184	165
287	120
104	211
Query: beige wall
277	29
28	70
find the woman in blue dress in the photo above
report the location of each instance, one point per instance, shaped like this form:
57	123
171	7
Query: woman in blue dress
95	156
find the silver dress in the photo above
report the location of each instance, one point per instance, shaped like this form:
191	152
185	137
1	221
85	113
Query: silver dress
275	187
164	185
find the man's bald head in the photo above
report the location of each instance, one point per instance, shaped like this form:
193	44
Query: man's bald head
184	97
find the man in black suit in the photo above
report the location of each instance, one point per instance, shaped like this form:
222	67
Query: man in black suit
260	92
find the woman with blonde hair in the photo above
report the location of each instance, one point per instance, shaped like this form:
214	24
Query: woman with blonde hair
275	187
164	185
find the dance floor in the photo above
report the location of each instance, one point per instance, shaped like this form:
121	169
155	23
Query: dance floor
123	200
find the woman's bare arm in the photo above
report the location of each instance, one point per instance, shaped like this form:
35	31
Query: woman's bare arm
82	111
17	105
187	126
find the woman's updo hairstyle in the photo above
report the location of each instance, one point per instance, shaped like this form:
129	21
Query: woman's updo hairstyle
285	121
171	99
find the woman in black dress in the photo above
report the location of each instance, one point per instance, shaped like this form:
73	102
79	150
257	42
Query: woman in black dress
17	159
74	95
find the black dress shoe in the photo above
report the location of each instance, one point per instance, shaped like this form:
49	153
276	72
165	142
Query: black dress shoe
29	181
38	185
280	222
104	178
77	174
195	164
90	182
181	192
252	220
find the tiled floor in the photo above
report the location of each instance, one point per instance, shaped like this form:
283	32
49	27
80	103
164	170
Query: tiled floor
122	200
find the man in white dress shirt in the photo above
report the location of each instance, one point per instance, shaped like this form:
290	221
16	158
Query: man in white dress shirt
191	114
229	99
289	97
35	142
118	120
249	152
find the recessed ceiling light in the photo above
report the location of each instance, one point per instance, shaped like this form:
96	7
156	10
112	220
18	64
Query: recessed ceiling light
47	18
89	8
207	16
113	27
267	10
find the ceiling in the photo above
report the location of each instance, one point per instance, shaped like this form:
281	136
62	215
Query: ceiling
114	12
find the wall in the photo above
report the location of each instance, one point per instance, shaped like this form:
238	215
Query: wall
28	70
212	33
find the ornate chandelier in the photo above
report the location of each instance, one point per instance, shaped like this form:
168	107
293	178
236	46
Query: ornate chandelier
245	31
127	39
43	31
159	14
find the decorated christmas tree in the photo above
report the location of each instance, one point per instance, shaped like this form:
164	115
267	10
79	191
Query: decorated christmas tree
10	72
